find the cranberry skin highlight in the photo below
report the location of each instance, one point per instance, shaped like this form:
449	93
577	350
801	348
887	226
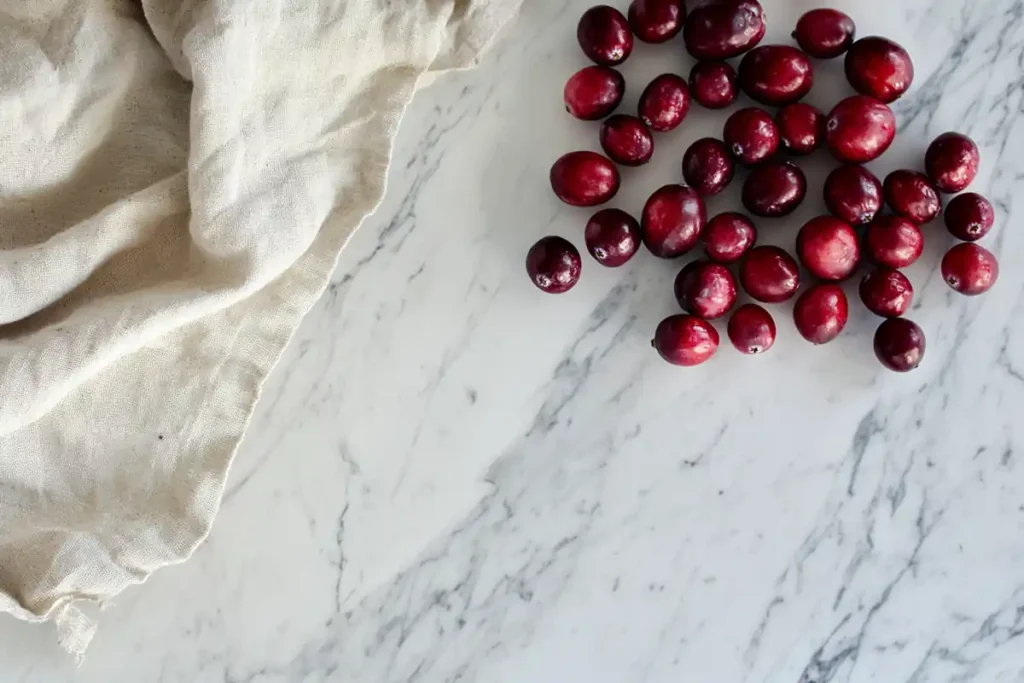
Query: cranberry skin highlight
593	92
853	194
769	274
828	248
952	162
685	340
859	129
728	236
893	241
626	140
821	313
604	35
912	195
751	135
969	217
707	166
801	128
656	21
899	344
751	329
673	220
776	75
584	179
824	33
713	84
553	264
886	292
774	190
724	29
705	289
879	68
612	237
970	269
665	102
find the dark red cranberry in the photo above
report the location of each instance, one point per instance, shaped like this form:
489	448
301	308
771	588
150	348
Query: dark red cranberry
824	33
801	128
705	289
899	344
886	292
713	84
626	140
769	274
828	248
707	166
912	195
604	35
751	329
879	68
728	236
665	102
685	340
893	241
776	75
821	313
553	265
969	217
724	29
612	236
952	161
970	268
859	129
584	179
853	194
673	220
751	135
774	190
593	92
656	21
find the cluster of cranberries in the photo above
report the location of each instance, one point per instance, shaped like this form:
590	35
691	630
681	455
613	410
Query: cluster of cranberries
674	220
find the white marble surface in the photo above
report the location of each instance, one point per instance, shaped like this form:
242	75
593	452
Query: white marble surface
452	477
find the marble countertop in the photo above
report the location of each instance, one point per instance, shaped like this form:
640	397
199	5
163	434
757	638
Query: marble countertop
452	477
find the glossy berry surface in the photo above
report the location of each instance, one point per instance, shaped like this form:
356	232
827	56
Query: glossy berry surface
673	220
970	269
705	289
751	135
724	29
604	35
912	195
828	248
626	140
553	265
825	33
893	241
899	344
685	340
853	194
584	179
728	236
801	128
821	313
886	292
665	102
751	329
612	237
774	190
713	84
879	68
776	75
859	129
969	217
952	162
707	166
656	21
593	92
769	274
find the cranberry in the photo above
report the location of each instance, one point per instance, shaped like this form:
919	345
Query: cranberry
912	195
751	135
969	217
801	127
656	21
879	68
626	140
705	289
893	241
751	329
774	190
853	194
886	292
769	274
685	340
828	248
970	268
776	74
824	33
553	264
899	344
821	312
584	179
673	220
593	92
724	29
952	161
707	166
859	129
604	35
728	236
612	236
665	102
713	84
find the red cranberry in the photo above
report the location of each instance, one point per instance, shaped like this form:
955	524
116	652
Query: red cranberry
853	194
912	195
707	166
656	21
751	329
970	268
553	265
776	74
673	220
665	102
859	129
774	190
952	161
713	84
612	236
769	274
705	289
728	236
751	135
893	241
880	68
685	340
801	127
824	33
604	35
626	140
821	312
886	292
828	248
584	179
969	217
899	344
724	29
593	92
